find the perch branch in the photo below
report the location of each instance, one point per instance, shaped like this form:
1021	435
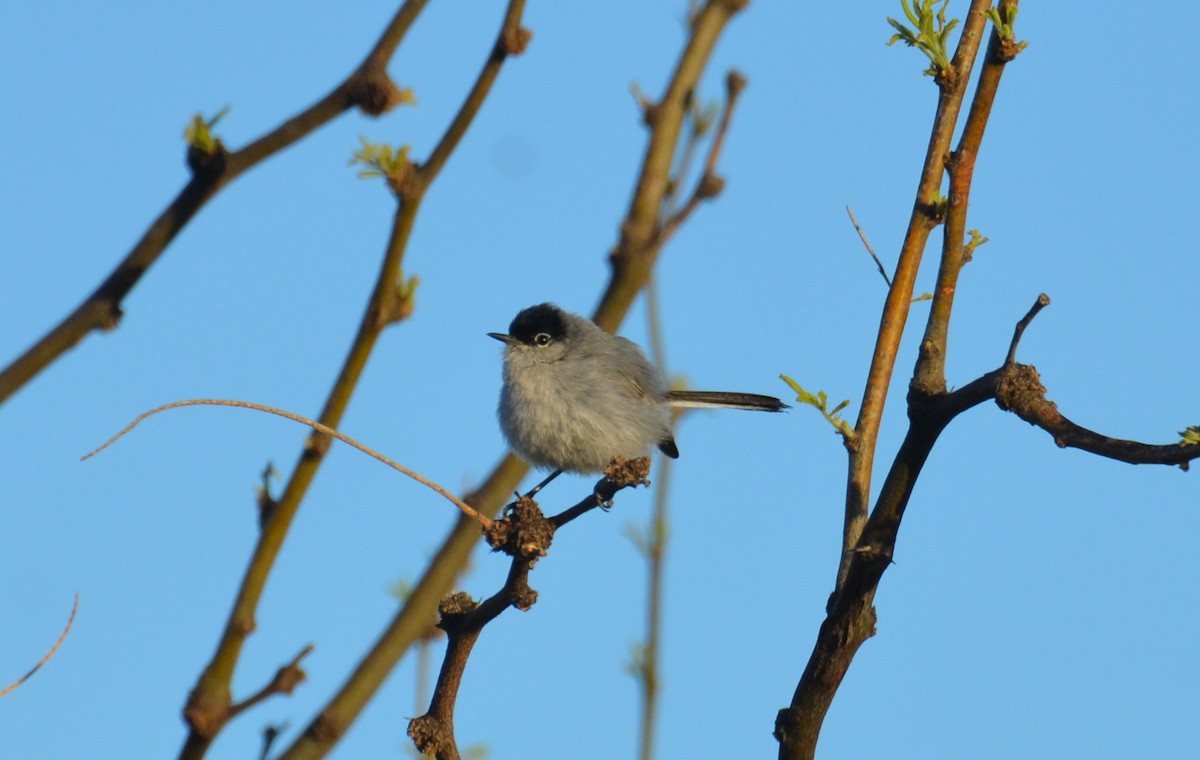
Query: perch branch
524	534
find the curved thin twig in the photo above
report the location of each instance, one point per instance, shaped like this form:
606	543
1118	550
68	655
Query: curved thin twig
61	638
317	426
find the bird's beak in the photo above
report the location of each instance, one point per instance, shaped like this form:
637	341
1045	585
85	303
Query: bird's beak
504	338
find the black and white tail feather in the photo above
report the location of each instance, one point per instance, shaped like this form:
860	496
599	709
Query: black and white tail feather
752	402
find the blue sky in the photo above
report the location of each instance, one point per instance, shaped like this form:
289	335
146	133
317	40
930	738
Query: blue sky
1043	602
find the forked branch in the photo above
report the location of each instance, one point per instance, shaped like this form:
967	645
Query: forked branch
524	534
208	704
631	269
368	87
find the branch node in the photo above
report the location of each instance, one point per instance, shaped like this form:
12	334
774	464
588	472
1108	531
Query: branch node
207	165
454	608
428	734
515	40
524	532
623	473
710	187
206	719
374	93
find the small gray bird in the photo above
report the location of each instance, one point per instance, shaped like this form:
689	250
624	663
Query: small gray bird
574	395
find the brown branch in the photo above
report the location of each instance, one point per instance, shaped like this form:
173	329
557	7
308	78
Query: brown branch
208	704
465	508
636	251
286	679
524	534
710	184
896	308
411	621
1042	302
1018	389
930	373
46	657
850	618
386	306
367	87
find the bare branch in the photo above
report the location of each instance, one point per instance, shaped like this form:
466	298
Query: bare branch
286	679
208	703
1018	389
1042	302
863	236
930	374
317	426
636	251
367	87
710	183
524	534
45	658
850	618
631	268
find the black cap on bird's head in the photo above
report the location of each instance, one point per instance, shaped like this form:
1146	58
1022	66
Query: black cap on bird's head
536	326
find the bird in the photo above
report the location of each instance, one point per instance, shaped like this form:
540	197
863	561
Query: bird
575	396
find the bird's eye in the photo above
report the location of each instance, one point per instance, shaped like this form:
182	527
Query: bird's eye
541	339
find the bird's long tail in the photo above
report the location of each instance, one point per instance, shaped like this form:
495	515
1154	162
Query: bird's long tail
723	400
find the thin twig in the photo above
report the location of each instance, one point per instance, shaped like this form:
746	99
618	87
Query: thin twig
654	548
641	239
710	183
863	236
317	426
1042	302
286	679
61	638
